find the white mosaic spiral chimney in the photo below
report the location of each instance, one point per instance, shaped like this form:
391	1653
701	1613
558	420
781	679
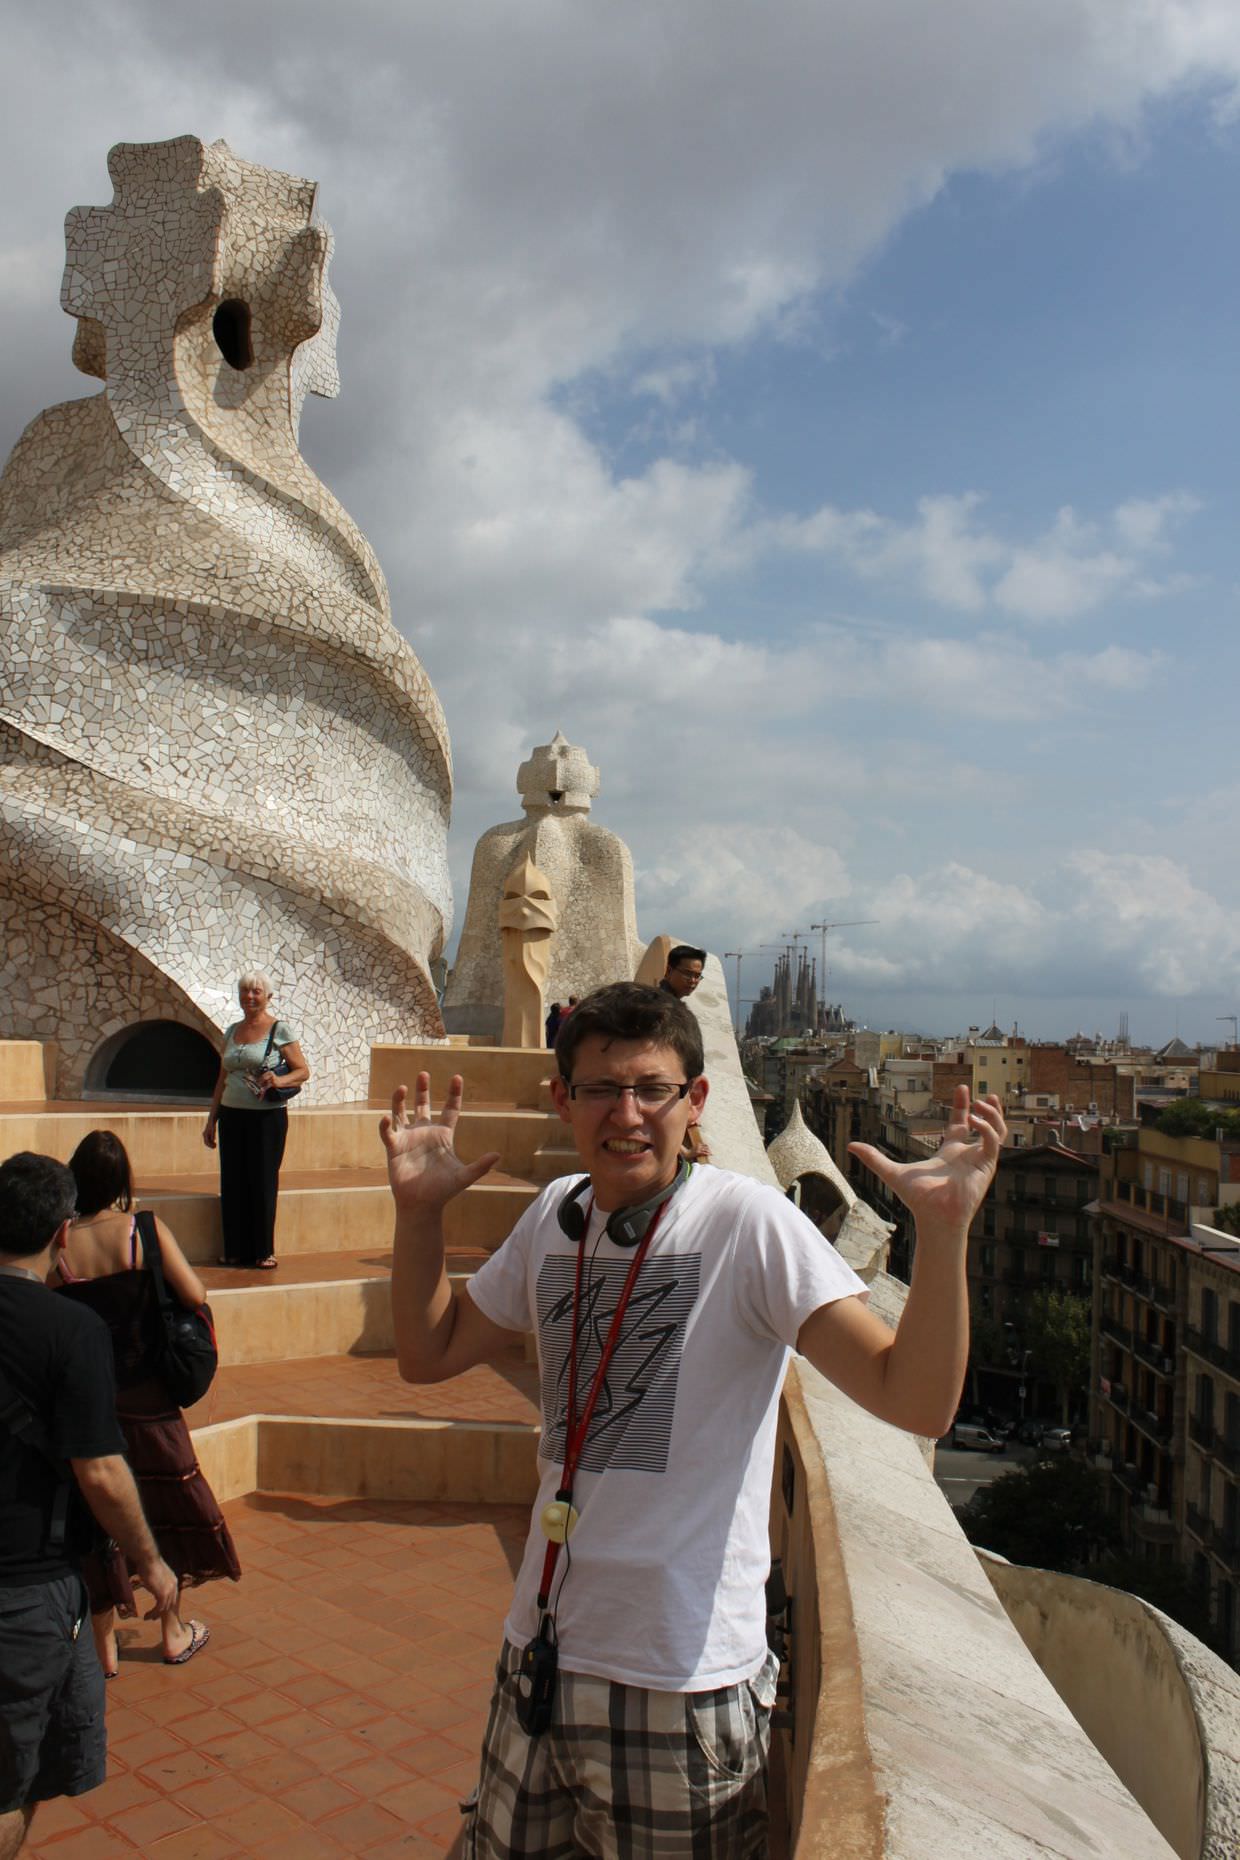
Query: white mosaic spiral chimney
216	751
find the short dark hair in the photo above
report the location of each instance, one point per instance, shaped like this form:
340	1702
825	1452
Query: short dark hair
684	952
37	1196
100	1166
631	1011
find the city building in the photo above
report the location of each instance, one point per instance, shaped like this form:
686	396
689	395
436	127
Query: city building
1165	1404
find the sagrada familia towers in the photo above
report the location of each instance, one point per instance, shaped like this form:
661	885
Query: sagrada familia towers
215	747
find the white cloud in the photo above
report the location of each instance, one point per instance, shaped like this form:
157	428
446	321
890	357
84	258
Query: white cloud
950	557
526	197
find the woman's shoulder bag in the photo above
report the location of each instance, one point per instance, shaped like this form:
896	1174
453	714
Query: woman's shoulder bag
279	1093
189	1358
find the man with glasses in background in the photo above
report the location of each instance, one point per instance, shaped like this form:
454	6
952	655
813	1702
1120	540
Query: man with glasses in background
631	1712
684	970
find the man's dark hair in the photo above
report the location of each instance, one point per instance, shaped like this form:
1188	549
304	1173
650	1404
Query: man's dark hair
630	1011
37	1194
684	952
100	1167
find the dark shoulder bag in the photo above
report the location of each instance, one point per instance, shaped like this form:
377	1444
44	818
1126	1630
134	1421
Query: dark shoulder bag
189	1358
279	1093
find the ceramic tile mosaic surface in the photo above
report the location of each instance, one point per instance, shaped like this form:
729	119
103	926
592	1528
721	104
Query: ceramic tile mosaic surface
216	750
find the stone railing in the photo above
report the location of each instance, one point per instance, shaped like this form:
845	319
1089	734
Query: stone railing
921	1724
1161	1708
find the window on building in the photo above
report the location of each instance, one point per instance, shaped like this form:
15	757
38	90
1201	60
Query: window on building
1205	1400
988	1220
1164	1181
1201	1576
1209	1314
1048	1256
1082	1270
1231	1420
1206	1487
1233	1327
1147	1175
988	1261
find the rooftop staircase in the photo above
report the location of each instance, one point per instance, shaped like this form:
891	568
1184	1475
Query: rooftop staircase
329	1296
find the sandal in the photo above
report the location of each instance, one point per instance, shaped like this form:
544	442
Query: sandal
199	1635
266	1265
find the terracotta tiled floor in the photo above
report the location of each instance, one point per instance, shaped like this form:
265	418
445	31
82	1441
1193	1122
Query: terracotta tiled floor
337	1709
345	1387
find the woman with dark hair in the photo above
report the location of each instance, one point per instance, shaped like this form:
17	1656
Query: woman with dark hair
103	1267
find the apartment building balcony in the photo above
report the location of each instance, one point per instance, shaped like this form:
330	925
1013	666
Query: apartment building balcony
1213	1352
1154	1356
1117	1332
1151	1425
1164	1296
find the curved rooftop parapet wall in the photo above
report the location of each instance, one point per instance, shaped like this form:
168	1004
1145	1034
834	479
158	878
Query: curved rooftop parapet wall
1163	1710
216	750
923	1726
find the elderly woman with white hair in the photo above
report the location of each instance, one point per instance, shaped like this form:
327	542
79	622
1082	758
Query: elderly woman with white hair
248	1117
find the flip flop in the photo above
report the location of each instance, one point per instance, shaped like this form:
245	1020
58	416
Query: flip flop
267	1265
199	1635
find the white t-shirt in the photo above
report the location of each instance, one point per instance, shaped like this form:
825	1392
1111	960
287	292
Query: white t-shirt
665	1570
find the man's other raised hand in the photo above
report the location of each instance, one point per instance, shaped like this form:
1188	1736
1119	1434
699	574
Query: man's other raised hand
945	1191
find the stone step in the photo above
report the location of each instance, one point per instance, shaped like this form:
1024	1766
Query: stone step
502	1074
345	1211
316	1304
166	1140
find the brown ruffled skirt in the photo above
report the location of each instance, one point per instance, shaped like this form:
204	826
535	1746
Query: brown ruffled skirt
181	1509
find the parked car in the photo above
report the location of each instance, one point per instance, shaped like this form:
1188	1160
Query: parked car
1029	1433
1056	1440
979	1439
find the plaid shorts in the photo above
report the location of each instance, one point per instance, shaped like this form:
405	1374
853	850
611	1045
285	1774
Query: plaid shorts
625	1773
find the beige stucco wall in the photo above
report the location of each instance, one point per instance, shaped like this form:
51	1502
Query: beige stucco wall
1161	1708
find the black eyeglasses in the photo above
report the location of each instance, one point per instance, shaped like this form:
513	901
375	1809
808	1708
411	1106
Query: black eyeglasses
650	1094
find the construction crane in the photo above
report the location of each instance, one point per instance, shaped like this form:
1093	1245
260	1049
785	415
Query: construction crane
728	956
1231	1020
850	923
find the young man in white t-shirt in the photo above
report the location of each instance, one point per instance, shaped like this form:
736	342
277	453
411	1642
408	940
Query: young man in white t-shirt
632	1706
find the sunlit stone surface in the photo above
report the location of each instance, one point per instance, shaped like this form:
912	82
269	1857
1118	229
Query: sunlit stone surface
216	751
590	874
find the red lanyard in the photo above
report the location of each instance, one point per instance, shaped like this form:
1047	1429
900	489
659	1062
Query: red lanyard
575	1431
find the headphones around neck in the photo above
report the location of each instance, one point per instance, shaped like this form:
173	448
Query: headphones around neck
627	1226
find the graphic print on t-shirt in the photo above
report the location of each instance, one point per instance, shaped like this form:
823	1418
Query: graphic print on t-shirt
632	1423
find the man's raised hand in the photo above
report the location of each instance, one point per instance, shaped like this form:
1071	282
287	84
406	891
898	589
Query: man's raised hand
946	1190
424	1170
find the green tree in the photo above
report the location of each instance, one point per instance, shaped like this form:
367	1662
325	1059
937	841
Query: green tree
987	1344
1051	1515
1166	1586
1057	1336
1189	1117
1227	1219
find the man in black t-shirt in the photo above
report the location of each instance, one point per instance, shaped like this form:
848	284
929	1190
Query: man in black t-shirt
61	1418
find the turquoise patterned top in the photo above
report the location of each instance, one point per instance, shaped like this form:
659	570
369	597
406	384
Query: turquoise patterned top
240	1061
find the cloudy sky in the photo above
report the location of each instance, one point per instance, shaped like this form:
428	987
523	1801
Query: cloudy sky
824	413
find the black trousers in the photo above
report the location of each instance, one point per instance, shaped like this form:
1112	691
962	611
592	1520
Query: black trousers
251	1145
